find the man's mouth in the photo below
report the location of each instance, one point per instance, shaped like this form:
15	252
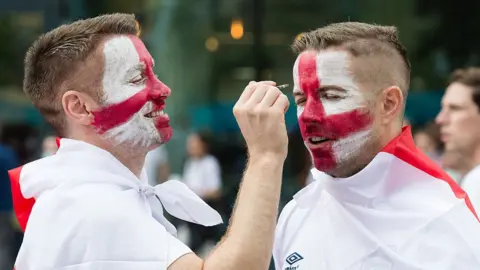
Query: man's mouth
314	142
444	136
155	114
317	140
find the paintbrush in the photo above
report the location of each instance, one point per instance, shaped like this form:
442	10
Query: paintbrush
283	86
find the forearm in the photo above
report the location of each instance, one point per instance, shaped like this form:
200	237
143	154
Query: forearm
249	239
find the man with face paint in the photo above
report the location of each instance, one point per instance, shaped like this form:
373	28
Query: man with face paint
89	205
377	202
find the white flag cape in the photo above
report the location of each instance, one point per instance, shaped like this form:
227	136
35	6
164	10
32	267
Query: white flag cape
82	209
401	212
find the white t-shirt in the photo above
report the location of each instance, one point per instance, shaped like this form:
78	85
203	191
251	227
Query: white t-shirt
202	175
401	212
471	185
91	212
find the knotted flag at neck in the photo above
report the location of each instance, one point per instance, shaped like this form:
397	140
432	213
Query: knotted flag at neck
86	163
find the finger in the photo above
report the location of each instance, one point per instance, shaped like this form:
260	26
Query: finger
282	103
251	82
247	93
268	82
257	95
270	97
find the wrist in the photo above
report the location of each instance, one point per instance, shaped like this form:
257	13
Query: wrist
266	159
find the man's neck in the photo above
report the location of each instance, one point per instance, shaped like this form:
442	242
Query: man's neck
132	158
368	153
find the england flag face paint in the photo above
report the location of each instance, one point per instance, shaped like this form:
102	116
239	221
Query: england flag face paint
134	96
330	108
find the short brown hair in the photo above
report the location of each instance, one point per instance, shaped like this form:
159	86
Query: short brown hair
471	78
378	46
56	59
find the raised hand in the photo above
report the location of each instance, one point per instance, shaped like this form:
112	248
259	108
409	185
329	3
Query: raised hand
260	114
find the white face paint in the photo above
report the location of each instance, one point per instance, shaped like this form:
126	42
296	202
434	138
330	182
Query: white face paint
121	67
127	87
330	99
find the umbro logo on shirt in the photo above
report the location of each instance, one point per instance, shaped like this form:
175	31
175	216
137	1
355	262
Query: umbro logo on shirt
293	259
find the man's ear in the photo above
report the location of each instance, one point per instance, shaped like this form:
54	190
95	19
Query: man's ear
78	106
392	103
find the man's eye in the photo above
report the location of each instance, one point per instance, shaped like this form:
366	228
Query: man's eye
137	79
331	96
300	101
455	108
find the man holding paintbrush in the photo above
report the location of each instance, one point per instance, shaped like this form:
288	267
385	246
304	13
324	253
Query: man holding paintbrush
93	81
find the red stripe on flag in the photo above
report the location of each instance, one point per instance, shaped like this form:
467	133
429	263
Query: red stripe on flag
23	207
403	147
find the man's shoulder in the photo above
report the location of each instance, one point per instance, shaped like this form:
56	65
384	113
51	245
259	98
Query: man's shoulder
287	211
94	215
452	238
290	219
458	225
311	196
106	229
80	205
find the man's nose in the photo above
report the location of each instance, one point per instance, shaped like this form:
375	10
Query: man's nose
311	111
159	90
441	117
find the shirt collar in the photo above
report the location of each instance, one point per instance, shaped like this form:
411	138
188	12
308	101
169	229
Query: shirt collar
77	162
362	187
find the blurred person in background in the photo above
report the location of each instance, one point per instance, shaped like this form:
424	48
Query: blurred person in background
456	165
157	165
377	201
459	128
202	174
8	160
49	146
89	206
7	154
427	139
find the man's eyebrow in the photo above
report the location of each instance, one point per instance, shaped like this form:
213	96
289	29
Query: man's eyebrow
137	67
331	87
298	94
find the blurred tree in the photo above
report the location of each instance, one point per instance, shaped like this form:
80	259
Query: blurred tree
294	16
455	39
11	53
139	7
412	26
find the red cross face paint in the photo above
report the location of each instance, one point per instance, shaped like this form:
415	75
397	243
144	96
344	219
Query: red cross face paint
330	108
134	97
